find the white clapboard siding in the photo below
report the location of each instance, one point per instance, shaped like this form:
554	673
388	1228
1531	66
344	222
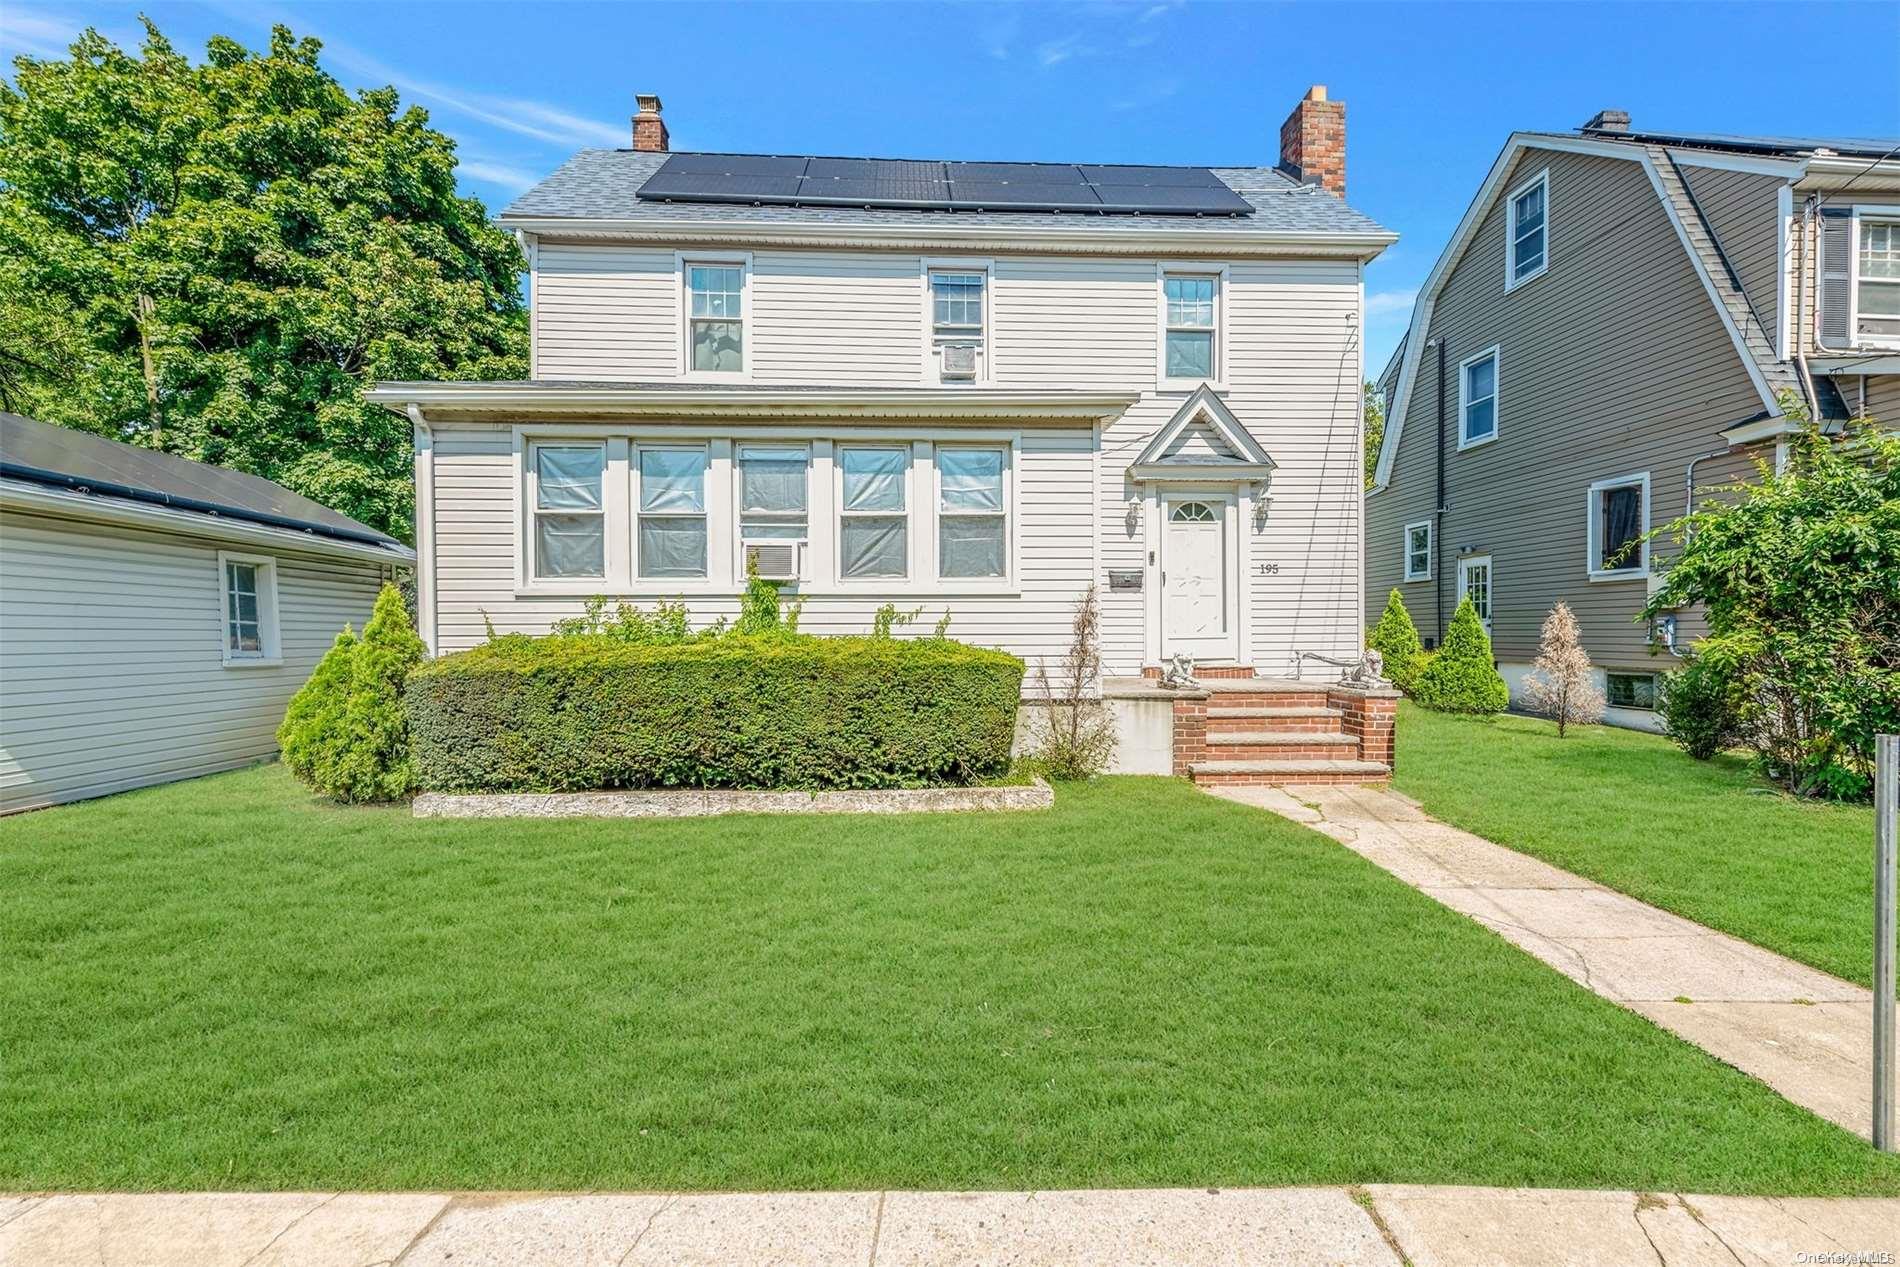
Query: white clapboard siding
111	673
842	317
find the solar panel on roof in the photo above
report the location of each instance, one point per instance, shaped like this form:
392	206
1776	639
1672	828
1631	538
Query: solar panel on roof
789	180
1192	177
1041	173
1171	199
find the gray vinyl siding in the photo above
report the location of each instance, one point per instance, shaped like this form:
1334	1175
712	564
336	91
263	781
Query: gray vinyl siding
1614	362
111	671
1741	209
1881	399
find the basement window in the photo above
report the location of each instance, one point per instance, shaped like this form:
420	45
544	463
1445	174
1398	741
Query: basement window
1630	690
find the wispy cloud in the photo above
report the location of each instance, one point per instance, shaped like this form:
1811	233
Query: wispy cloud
520	115
1066	48
999	35
47	34
1385	302
502	175
1152	93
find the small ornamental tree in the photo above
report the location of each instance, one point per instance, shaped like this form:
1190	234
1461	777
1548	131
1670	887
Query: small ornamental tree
1800	579
1395	638
345	733
1561	684
1075	736
311	735
1461	677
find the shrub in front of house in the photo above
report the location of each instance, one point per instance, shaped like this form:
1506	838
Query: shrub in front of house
1701	708
344	732
1395	638
1461	677
783	711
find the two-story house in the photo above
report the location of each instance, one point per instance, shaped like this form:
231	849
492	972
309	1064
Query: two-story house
1607	339
966	387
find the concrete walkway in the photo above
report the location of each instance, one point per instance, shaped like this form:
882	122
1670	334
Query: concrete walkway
1806	1034
1384	1226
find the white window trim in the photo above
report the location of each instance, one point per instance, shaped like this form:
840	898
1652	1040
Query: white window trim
269	634
1465	564
986	345
636	514
820	566
1431	548
526	564
1855	338
1497	397
1511	280
1594	505
1189	268
683	313
1629	708
806	545
1008	579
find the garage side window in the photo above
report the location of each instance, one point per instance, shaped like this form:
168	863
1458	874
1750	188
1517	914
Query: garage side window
249	609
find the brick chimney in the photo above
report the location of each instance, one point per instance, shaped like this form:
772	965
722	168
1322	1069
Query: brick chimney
1313	142
1615	122
649	129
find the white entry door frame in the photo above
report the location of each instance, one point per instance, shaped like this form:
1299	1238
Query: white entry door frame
1197	575
1474	582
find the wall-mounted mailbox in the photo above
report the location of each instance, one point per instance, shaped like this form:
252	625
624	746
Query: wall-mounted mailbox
1129	579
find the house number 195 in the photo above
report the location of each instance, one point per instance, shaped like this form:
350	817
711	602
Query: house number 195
1268	569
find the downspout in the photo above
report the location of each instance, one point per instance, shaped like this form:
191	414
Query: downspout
1688	488
1808	262
424	440
1438	515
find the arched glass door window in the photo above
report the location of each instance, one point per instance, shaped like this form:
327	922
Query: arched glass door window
1191	513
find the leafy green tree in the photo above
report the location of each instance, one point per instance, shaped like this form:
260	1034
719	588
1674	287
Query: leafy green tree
1374	405
212	259
1799	575
1461	677
1395	638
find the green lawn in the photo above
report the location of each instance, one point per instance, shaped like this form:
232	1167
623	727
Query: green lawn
1704	839
224	984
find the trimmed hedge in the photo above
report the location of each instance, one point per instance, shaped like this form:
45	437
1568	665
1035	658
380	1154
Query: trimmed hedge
578	713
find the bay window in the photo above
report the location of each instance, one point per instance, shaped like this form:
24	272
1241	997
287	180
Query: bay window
972	514
570	529
672	502
873	527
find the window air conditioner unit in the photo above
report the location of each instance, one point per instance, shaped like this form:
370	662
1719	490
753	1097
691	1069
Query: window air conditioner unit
959	360
772	560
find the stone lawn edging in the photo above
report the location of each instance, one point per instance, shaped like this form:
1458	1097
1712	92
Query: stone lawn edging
705	802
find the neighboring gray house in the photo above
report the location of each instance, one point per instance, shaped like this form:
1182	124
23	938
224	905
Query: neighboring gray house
156	614
1606	339
973	388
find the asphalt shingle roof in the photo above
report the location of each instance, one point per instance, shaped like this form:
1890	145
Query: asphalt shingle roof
603	184
60	457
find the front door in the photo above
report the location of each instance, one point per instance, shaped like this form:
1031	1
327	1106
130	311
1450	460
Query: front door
1474	583
1197	586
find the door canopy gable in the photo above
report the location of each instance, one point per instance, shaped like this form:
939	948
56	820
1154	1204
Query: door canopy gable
1203	441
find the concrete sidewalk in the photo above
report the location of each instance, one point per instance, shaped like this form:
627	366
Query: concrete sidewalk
1381	1225
1804	1033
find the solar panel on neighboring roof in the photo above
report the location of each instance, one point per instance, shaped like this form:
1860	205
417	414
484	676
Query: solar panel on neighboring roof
788	180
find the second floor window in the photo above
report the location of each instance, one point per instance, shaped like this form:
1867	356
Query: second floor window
1418	551
1619	514
1190	351
715	320
1529	244
1478	399
956	323
1878	279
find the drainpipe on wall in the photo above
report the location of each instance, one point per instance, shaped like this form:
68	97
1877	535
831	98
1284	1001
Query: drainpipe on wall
1438	515
1800	310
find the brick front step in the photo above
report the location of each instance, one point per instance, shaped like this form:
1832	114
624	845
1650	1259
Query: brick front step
1227	700
1276	745
1303	770
1297	721
1288	738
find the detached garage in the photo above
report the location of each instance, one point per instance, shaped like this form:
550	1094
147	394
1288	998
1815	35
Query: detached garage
156	614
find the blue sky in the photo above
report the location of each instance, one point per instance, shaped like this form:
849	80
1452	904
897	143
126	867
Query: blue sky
1431	89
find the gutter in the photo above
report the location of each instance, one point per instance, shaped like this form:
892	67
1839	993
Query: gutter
1360	243
172	501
